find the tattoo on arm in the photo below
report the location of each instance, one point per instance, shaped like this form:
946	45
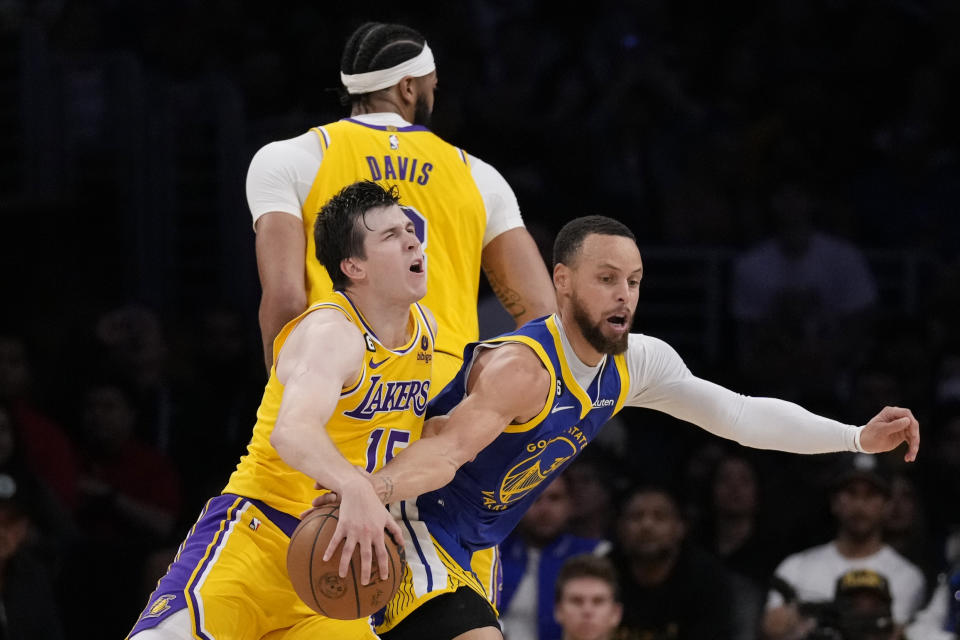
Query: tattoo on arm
387	488
509	298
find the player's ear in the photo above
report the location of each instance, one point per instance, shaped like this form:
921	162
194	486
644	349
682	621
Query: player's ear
561	276
408	89
352	268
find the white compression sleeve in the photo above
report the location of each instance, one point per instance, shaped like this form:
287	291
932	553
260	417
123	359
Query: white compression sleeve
762	423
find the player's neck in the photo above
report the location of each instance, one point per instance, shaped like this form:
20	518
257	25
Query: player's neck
855	547
581	347
382	104
389	319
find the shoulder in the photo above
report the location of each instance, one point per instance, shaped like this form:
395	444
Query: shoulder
512	369
327	329
900	563
651	359
302	149
792	563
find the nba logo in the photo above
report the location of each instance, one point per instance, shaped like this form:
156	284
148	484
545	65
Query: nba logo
254	524
394	142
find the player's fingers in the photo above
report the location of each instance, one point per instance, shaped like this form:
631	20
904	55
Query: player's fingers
338	535
346	555
913	440
394	531
366	557
383	559
326	499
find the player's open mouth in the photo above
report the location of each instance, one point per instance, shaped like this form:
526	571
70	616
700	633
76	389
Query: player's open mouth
618	322
417	267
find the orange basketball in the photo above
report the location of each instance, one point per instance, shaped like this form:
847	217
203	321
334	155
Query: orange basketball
318	583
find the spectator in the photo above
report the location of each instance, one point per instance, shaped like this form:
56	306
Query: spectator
791	307
940	619
669	588
905	527
586	603
860	503
532	557
28	608
129	504
128	488
46	446
592	483
50	526
132	344
861	605
735	532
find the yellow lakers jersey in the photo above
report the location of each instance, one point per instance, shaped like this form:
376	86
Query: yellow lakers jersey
438	193
378	414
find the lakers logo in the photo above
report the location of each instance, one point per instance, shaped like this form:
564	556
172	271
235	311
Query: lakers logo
160	605
548	455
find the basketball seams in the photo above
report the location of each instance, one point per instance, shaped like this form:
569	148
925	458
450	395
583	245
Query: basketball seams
313	549
307	539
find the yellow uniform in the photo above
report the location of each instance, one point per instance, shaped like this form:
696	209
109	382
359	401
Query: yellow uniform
230	572
438	192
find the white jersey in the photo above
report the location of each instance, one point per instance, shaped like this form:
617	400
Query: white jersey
282	172
814	573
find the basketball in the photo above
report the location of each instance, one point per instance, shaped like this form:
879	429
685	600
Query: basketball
318	583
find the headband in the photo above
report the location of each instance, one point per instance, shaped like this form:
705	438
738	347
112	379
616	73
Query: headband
420	65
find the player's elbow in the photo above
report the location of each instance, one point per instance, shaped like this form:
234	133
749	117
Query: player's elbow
282	302
284	441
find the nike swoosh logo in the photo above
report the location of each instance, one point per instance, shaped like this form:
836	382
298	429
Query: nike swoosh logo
564	408
374	365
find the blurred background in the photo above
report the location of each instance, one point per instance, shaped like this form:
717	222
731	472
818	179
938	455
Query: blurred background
734	138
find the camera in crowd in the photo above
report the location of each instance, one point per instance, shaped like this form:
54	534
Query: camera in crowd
860	609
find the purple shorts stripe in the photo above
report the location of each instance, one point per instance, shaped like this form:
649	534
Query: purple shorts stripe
197	553
222	526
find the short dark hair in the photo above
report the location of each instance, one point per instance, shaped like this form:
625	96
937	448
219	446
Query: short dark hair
337	233
586	566
571	236
375	46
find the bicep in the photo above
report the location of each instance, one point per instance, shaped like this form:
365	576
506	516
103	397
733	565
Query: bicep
507	386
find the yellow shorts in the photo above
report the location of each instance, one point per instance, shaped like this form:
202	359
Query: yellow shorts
436	565
231	575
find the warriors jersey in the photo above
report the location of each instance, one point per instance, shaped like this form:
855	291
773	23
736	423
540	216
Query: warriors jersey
489	494
378	414
437	192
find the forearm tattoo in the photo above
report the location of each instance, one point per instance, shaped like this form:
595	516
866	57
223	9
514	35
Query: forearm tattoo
387	488
509	298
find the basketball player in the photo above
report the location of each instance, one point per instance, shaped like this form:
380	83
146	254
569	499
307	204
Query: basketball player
526	403
465	213
347	389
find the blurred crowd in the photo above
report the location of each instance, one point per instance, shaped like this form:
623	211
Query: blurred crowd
795	135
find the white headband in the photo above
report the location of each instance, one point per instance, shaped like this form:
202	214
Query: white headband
420	65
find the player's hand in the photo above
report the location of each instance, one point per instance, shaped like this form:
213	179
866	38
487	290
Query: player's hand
362	523
888	429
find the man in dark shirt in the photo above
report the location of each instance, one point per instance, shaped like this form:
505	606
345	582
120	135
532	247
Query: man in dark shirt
670	590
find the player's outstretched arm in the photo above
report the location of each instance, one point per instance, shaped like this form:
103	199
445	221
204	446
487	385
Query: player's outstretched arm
665	384
324	352
507	384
